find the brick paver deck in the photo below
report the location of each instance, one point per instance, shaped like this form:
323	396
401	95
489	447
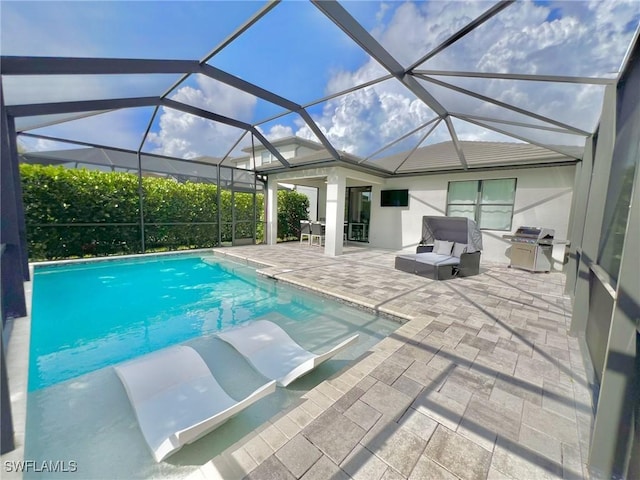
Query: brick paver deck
482	381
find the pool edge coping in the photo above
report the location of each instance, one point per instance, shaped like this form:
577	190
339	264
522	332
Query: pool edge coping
240	459
262	268
237	455
17	360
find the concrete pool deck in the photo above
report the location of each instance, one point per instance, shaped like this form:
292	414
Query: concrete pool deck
481	381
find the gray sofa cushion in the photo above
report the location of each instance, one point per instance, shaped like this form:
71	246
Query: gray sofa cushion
436	259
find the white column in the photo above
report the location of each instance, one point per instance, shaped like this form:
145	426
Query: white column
272	211
336	186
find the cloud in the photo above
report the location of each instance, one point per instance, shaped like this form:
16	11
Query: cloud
566	38
46	30
217	97
184	135
579	39
416	28
588	39
277	131
365	120
28	144
119	128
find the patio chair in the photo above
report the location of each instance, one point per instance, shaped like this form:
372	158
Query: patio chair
305	230
274	353
450	247
317	233
176	398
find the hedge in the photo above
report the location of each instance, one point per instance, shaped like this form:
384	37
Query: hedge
59	202
292	207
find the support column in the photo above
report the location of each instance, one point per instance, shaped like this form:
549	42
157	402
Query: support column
11	266
336	187
272	211
581	189
595	208
17	185
12	298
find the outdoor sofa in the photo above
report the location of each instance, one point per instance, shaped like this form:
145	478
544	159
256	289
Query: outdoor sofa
450	247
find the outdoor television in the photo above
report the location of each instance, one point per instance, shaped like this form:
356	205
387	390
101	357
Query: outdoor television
394	198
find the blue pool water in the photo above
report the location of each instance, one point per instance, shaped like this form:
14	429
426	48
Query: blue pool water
88	316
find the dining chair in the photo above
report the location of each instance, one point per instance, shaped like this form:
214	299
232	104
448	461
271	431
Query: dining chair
305	230
317	232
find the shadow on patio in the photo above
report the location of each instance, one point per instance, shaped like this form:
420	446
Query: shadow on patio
482	382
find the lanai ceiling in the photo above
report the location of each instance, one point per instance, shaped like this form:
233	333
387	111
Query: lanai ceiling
393	87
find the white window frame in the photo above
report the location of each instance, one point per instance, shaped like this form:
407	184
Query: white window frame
478	202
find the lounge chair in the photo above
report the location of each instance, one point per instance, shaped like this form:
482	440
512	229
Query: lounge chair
176	398
450	247
274	354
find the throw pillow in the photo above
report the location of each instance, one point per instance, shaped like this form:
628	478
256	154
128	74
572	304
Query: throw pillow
459	249
442	247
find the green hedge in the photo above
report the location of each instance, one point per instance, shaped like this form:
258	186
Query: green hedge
58	201
292	207
55	195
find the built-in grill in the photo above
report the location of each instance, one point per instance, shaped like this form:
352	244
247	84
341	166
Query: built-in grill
531	248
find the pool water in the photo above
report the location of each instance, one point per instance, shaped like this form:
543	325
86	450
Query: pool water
88	317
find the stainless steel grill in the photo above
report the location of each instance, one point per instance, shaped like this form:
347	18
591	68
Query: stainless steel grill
531	248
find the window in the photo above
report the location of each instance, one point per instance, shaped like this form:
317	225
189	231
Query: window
266	157
488	202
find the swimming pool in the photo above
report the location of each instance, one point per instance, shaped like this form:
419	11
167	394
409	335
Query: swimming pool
92	315
87	317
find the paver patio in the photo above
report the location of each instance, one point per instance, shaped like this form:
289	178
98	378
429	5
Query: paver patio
481	381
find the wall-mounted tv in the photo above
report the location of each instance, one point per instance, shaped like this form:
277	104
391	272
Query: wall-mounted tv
394	198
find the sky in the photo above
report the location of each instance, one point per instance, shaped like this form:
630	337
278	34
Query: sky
296	52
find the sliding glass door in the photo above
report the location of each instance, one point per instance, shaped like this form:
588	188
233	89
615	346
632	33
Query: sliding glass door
358	206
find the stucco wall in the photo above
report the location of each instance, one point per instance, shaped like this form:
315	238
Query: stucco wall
543	198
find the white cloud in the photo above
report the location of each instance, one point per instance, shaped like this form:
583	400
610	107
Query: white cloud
184	135
217	97
46	31
277	131
29	144
119	128
367	119
582	38
417	28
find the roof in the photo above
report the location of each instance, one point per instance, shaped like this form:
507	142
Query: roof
286	142
444	156
387	87
123	161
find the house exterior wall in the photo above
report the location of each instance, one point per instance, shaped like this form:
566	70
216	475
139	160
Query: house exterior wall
303	151
543	198
287	151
